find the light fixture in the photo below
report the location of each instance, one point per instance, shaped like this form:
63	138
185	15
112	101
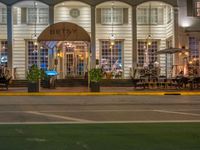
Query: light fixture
149	36
148	39
112	37
34	35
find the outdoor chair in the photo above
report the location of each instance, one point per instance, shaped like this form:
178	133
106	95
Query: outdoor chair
4	82
162	82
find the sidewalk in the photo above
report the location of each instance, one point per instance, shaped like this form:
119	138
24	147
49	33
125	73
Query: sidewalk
64	91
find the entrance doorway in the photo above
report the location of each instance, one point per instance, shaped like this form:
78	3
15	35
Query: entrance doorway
69	48
72	59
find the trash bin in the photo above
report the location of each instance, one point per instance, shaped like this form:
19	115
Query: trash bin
50	81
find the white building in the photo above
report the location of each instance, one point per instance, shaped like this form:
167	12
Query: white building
169	23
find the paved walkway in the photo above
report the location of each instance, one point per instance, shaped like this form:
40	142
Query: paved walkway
103	89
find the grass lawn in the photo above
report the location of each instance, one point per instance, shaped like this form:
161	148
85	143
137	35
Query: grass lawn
168	136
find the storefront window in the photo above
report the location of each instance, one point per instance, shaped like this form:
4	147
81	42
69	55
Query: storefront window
111	56
4	53
194	47
152	49
33	56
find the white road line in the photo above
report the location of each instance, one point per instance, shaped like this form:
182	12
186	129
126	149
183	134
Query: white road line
79	111
102	122
58	116
176	112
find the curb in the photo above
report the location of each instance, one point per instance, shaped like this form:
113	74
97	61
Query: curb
101	94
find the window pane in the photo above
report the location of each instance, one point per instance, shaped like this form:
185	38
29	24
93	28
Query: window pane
106	16
154	16
152	49
3	53
32	15
33	56
43	15
142	17
111	56
117	16
3	15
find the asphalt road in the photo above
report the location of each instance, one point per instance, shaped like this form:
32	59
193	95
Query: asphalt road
98	109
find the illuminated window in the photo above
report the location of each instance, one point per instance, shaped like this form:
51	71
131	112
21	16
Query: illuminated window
111	56
198	9
33	56
153	48
3	53
194	47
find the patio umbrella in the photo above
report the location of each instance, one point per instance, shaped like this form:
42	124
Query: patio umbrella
170	51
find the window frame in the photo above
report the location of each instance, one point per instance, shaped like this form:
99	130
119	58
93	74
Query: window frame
38	15
147	22
122	51
2	9
141	51
35	55
112	16
197	8
5	51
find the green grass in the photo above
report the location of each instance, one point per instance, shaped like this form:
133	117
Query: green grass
169	136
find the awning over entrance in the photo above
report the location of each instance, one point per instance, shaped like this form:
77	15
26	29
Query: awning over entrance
64	31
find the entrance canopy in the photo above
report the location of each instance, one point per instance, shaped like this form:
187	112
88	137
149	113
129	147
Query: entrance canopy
64	31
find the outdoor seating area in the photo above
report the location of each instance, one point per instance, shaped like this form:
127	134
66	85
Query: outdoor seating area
150	78
5	77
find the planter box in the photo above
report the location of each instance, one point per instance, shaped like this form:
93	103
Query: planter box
94	87
33	87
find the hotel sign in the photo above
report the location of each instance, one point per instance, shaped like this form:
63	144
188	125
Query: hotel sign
64	31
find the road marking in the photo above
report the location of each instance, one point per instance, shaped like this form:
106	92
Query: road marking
101	122
79	111
58	116
176	112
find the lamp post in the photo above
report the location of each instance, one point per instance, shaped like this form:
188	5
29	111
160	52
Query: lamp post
112	38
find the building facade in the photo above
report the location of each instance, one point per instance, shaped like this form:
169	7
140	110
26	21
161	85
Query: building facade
120	33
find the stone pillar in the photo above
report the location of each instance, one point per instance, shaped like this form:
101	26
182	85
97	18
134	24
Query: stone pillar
51	14
93	37
10	37
134	36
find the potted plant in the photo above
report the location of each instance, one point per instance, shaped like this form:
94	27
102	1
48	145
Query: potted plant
95	78
33	76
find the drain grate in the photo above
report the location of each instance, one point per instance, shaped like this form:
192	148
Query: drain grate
172	94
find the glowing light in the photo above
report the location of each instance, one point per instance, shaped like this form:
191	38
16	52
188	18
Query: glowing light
190	62
35	43
187	53
185	23
112	43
